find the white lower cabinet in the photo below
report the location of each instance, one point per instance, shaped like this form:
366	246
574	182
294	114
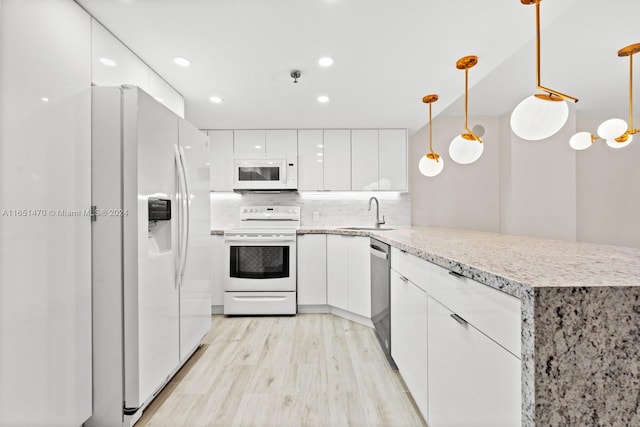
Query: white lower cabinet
349	274
409	336
473	381
217	272
312	269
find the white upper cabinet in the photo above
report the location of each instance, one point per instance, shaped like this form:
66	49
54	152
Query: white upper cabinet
113	64
337	159
310	160
221	159
364	159
163	92
276	142
281	142
249	142
392	160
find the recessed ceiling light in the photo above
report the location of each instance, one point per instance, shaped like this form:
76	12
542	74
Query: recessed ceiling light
258	146
323	99
215	99
325	61
108	62
45	100
182	62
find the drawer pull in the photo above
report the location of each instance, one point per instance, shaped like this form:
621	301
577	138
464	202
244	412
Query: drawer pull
456	275
459	319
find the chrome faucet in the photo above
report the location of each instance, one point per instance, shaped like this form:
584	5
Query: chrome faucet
378	222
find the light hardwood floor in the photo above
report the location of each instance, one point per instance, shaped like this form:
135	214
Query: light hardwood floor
307	370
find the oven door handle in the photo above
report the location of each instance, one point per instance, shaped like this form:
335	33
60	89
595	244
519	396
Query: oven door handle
259	240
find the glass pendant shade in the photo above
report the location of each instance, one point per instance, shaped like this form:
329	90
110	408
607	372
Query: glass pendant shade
430	167
615	144
535	119
612	128
581	141
464	151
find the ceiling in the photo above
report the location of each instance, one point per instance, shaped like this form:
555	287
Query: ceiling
388	54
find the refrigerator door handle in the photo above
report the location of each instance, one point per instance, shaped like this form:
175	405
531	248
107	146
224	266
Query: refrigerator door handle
179	195
185	223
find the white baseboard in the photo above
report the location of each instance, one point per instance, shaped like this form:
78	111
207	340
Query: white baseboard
317	309
314	309
365	321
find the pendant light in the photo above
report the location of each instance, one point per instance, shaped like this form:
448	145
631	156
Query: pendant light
614	131
467	147
543	114
431	164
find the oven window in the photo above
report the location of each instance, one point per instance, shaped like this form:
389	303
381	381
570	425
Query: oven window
262	173
259	262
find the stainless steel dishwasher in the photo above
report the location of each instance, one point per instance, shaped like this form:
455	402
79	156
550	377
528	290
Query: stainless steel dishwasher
380	295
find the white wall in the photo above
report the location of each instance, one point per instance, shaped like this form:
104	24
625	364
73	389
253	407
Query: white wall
516	187
541	178
462	196
608	190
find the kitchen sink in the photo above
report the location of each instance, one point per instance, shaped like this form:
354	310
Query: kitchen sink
367	228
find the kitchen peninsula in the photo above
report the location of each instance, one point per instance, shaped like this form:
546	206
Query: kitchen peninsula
580	315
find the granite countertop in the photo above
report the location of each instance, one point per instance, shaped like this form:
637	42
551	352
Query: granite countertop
514	264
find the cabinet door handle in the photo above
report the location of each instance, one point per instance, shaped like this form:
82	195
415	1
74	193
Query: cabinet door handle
456	275
404	279
459	319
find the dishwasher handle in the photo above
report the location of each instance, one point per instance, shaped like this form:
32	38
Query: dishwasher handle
378	253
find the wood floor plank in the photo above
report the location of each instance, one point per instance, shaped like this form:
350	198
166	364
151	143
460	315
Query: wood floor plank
314	370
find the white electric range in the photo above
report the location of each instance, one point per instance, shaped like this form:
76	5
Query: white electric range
260	264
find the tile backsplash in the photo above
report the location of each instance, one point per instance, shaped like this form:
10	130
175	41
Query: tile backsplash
323	209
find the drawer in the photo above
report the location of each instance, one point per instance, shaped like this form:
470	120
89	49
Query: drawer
247	303
411	267
493	312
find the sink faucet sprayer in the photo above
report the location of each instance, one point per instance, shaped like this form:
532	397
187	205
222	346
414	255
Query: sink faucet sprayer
378	222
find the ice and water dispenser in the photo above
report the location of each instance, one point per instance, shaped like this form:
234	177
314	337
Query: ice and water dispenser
159	225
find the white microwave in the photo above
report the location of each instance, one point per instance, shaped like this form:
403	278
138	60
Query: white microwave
265	173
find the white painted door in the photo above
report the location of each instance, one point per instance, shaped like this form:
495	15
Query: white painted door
312	269
364	159
310	160
359	259
338	271
409	336
281	142
45	247
221	159
337	159
473	381
195	288
392	159
247	142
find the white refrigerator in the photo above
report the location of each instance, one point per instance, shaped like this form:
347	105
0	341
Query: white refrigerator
151	277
